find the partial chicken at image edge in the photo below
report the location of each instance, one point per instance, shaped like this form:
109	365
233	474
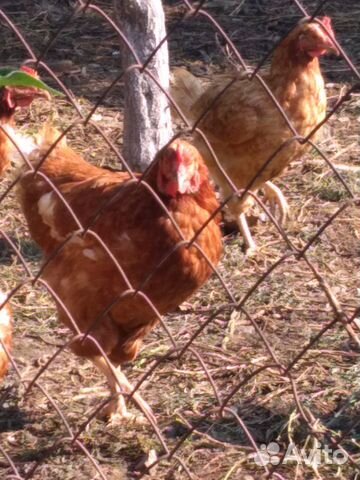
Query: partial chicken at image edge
19	92
6	326
18	89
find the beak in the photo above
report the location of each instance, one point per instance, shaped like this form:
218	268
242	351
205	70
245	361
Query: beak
329	44
182	179
331	47
22	93
43	94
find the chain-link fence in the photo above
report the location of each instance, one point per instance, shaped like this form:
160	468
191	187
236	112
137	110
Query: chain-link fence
257	375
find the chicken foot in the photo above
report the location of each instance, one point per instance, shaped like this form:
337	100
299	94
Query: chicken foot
274	196
250	245
116	409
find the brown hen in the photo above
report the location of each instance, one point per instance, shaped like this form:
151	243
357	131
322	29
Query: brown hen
244	126
100	295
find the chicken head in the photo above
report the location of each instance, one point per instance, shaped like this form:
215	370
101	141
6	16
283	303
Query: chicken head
178	170
314	41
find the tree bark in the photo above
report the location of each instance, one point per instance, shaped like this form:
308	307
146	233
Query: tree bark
147	120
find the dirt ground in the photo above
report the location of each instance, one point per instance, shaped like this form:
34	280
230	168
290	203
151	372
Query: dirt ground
289	307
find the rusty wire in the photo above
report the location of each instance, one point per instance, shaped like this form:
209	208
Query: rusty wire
223	402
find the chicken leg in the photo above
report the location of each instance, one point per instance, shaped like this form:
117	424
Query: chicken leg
250	245
235	211
274	196
116	409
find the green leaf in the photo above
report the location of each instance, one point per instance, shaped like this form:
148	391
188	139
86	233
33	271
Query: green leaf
17	78
6	70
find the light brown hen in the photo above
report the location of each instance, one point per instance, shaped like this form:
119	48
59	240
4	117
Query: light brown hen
244	126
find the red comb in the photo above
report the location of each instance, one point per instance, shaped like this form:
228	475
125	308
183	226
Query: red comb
326	21
29	70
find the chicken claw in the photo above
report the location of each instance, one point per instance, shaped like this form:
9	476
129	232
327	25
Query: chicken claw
116	410
117	415
274	196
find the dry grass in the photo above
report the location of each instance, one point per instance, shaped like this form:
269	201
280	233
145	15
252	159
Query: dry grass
289	307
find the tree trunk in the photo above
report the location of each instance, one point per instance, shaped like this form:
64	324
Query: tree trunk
147	120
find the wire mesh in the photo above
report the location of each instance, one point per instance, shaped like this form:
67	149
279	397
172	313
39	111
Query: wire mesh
257	362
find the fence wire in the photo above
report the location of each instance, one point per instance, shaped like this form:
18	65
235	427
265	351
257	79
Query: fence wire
218	422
